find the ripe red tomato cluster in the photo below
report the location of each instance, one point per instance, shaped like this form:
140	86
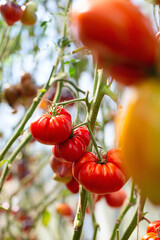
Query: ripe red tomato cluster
153	231
70	155
56	129
120	37
12	12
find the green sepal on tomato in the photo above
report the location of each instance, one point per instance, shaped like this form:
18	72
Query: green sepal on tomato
73	148
52	128
99	177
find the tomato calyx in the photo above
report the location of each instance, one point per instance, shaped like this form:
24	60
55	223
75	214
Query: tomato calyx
54	111
101	160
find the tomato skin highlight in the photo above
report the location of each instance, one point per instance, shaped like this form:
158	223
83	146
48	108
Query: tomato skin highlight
152	227
11	12
52	130
73	148
138	136
127	39
150	236
100	178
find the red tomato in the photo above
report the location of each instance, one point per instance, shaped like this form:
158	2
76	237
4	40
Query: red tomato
29	17
64	209
62	169
11	12
153	226
150	236
120	37
73	186
73	148
98	177
52	129
116	199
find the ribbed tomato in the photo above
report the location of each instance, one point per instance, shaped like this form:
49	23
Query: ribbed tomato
150	236
120	37
52	129
154	226
99	177
138	135
73	148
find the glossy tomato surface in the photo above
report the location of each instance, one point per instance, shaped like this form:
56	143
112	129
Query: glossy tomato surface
73	148
150	236
138	136
116	199
52	129
154	226
11	12
100	178
62	169
121	38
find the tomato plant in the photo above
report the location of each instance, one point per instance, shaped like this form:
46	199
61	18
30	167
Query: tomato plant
72	149
100	177
139	144
52	128
117	41
11	12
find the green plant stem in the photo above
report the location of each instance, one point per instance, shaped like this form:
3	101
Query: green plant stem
36	101
94	222
83	194
94	142
30	111
79	125
12	157
71	83
133	223
71	101
111	94
130	203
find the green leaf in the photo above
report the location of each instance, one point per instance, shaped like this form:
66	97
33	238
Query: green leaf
42	90
97	124
3	161
46	216
44	23
72	71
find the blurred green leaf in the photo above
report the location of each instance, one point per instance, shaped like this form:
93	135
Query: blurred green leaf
72	71
46	216
2	162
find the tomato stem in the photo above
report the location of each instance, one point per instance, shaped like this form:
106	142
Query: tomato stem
131	202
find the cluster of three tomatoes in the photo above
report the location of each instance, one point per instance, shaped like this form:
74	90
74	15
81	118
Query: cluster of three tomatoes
69	150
